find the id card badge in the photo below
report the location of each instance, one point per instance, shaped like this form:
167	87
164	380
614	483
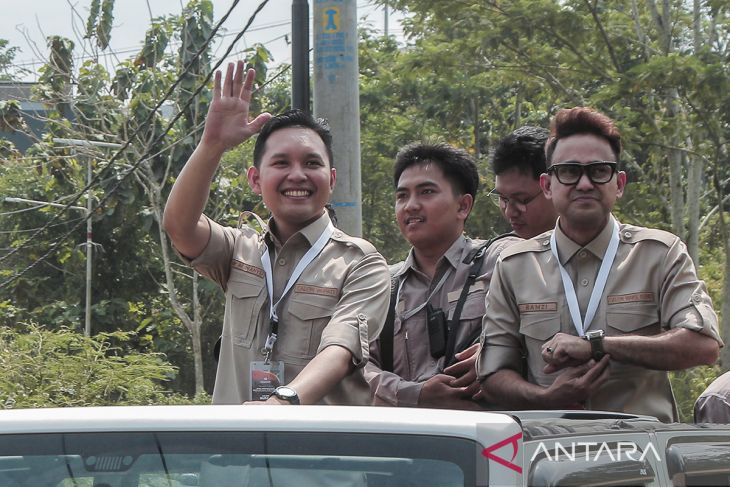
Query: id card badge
265	378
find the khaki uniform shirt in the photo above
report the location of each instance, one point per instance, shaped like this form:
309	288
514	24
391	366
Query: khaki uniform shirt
652	286
713	405
341	298
412	360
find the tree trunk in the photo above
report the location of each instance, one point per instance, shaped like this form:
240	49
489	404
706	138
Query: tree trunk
695	167
196	339
193	325
694	181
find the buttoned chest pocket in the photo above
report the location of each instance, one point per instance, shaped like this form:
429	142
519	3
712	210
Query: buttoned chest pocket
632	318
541	317
474	304
301	329
245	298
539	326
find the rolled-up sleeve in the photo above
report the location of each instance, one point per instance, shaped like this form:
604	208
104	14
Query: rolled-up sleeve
360	313
215	260
501	345
685	302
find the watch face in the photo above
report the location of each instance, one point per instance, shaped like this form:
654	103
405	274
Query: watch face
285	392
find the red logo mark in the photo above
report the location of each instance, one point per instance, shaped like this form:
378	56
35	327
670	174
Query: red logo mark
487	452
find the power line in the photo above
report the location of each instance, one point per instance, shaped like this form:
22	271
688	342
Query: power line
132	50
128	142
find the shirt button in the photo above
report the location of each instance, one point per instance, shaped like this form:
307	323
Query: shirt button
627	234
696	298
361	316
584	282
545	243
582	254
282	261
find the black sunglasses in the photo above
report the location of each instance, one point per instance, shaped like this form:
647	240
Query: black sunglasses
570	172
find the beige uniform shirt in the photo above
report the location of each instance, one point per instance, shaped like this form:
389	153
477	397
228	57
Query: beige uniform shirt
652	286
713	405
341	298
412	360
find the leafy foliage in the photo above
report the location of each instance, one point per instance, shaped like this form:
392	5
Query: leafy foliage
62	368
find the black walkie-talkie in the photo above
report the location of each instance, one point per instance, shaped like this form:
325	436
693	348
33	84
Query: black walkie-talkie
436	321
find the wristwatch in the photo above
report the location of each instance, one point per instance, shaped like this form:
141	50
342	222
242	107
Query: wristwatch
287	394
595	337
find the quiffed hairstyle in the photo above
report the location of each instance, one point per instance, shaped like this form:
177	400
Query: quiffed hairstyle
582	120
292	118
457	165
524	150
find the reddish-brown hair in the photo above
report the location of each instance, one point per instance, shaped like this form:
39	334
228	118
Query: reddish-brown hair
582	120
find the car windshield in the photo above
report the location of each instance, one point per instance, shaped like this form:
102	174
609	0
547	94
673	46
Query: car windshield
167	459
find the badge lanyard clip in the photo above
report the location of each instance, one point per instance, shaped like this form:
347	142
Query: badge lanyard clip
270	341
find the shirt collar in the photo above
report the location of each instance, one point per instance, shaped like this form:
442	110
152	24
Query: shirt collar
311	232
452	256
567	248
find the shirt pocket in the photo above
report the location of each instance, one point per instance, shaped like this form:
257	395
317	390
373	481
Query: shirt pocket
539	327
474	304
632	318
246	298
301	331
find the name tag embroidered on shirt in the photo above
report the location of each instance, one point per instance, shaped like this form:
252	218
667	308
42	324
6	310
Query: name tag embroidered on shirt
320	291
242	266
631	298
538	307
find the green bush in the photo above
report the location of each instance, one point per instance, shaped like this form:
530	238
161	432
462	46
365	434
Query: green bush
59	368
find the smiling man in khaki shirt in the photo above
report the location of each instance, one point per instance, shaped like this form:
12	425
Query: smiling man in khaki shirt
303	299
435	189
649	313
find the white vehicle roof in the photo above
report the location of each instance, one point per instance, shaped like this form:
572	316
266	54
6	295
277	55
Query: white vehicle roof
256	418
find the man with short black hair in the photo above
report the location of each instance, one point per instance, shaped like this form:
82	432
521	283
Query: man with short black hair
517	163
564	304
427	358
302	297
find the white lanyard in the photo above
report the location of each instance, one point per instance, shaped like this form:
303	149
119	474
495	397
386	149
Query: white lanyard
307	259
600	284
415	310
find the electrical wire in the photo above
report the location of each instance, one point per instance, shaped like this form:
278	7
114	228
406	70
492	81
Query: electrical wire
145	156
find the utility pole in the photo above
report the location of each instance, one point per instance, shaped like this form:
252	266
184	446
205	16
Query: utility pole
89	209
385	18
337	99
300	55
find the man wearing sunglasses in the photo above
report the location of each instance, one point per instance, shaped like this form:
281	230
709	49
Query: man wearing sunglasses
518	161
593	314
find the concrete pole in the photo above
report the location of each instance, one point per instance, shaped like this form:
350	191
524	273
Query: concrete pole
337	99
300	55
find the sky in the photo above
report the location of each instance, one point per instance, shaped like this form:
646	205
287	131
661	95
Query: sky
26	23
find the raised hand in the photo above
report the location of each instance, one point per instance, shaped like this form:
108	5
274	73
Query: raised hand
227	123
